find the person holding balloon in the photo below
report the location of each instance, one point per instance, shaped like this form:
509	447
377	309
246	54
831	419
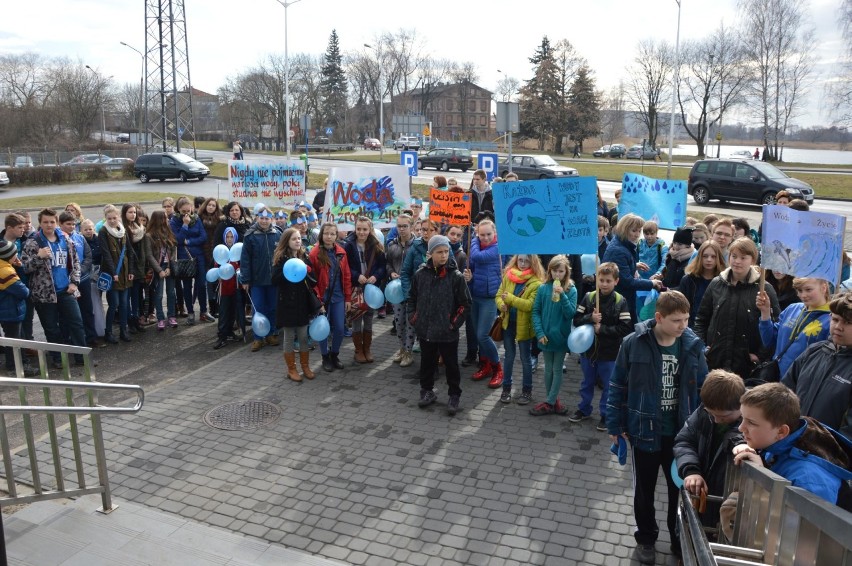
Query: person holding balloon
227	261
294	278
366	257
256	272
334	290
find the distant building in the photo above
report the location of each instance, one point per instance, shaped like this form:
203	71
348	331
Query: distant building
459	111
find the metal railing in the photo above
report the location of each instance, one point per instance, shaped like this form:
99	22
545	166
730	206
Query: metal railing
27	392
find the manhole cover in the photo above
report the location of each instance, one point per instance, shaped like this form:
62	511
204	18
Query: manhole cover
240	415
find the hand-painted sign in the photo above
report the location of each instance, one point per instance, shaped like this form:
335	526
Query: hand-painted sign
379	193
277	183
660	200
449	208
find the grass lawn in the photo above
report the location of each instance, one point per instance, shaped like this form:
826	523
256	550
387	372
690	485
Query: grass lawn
83	199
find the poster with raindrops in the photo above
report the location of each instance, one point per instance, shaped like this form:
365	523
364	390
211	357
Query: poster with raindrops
660	200
547	216
802	244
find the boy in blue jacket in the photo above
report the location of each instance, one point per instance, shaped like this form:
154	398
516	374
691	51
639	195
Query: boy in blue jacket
13	302
652	391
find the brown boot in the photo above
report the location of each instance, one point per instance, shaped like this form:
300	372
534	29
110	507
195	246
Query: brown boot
290	358
306	367
368	341
358	340
271	340
256	345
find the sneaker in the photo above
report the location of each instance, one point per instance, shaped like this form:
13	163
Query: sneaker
398	356
172	322
542	409
453	405
601	425
161	325
190	319
645	553
347	332
407	360
560	409
416	348
506	396
534	363
427	397
525	397
578	416
381	313
206	317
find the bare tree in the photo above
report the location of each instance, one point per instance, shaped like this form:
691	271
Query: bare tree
463	75
27	100
128	103
507	88
613	112
82	95
839	91
650	79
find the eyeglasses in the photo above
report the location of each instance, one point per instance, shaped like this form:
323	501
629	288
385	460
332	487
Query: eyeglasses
723	234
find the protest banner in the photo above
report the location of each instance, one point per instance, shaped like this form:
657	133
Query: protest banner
379	193
277	183
802	244
449	208
660	200
547	216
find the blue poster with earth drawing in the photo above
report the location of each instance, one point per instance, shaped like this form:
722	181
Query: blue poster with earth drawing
802	244
660	200
548	216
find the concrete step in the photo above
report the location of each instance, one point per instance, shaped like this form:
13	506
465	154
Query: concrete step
72	532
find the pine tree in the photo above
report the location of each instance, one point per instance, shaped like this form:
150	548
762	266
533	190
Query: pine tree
584	112
333	87
539	95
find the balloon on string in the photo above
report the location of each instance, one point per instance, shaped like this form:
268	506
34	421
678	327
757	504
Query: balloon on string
394	293
676	479
212	275
295	270
587	261
581	338
236	252
319	328
379	236
260	325
258	207
221	253
226	271
373	296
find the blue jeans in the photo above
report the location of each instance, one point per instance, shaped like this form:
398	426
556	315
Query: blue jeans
265	299
591	371
553	374
117	300
61	319
509	358
470	337
167	284
335	313
483	312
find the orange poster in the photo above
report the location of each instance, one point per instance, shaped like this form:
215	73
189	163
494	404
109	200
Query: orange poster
449	208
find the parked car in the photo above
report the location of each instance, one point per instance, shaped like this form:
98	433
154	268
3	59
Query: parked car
169	165
742	154
639	151
87	159
4	178
617	150
446	159
372	143
741	180
115	163
24	161
535	167
601	152
322	140
406	143
122	138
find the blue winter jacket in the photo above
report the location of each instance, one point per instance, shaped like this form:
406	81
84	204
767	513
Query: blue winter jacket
635	388
654	256
811	327
414	258
486	268
256	257
13	294
623	254
189	238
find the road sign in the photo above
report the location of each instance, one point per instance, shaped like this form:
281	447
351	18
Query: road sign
409	159
292	134
427	131
305	122
488	163
329	131
180	132
381	131
718	136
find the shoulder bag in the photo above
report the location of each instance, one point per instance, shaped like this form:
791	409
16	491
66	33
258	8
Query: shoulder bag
185	268
105	280
768	371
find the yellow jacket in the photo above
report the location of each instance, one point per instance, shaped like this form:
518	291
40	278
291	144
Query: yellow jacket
523	304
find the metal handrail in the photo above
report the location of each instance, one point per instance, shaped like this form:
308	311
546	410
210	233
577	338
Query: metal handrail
46	409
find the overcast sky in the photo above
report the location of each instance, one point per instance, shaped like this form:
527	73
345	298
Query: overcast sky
226	36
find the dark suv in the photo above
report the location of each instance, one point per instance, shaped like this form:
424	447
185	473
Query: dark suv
446	159
169	165
741	180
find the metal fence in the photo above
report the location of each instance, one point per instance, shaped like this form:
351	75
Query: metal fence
22	157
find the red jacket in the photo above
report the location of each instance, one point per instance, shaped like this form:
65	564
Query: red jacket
321	272
228	288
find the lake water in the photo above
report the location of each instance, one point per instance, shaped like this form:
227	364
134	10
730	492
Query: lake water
791	155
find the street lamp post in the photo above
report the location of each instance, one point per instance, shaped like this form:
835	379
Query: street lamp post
381	106
103	111
140	126
286	76
674	92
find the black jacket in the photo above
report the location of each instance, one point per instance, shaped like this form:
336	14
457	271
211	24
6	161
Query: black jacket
439	301
727	322
822	379
293	305
615	324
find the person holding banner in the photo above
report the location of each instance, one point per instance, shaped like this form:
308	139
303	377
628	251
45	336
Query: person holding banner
483	275
622	251
367	262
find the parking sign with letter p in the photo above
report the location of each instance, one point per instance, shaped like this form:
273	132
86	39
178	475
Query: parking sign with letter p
409	159
488	163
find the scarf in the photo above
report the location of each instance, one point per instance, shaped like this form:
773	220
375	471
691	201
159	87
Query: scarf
117	232
683	254
518	276
137	232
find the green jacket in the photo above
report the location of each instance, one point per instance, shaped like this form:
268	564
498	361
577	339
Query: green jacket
554	319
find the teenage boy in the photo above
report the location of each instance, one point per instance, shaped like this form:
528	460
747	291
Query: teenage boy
703	446
68	225
653	390
439	300
723	234
611	322
800	449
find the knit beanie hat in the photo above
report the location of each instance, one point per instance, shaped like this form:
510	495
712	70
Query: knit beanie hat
8	250
683	236
437	241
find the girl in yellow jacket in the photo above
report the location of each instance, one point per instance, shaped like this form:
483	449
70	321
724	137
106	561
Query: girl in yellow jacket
515	298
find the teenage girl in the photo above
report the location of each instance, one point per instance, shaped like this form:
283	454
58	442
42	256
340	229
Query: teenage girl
553	311
113	240
164	251
702	269
142	249
334	289
367	264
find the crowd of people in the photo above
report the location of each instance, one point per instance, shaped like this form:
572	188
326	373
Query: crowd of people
672	374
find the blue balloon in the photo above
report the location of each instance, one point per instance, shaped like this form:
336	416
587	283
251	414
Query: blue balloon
212	275
678	481
588	263
319	328
394	293
373	296
221	253
236	252
226	271
379	236
581	338
260	325
295	270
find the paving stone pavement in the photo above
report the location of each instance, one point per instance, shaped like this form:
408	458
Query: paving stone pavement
354	471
